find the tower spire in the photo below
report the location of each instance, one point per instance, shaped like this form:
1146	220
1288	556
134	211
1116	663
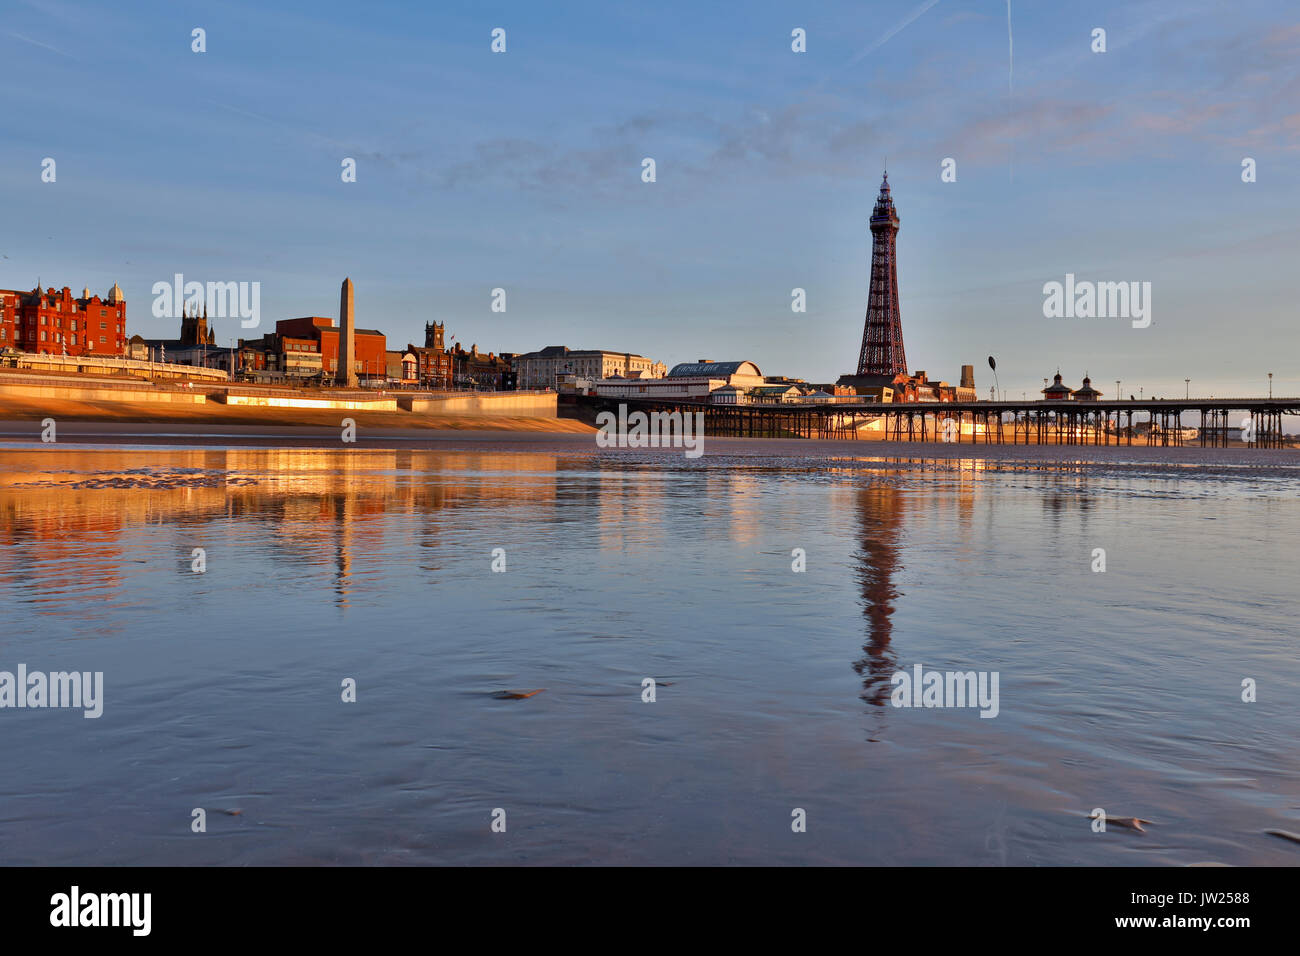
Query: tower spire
882	335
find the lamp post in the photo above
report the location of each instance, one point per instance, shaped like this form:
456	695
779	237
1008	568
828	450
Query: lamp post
1270	386
1187	393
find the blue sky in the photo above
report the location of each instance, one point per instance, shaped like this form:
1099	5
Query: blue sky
522	170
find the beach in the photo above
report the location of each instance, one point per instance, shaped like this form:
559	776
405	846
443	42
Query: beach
771	589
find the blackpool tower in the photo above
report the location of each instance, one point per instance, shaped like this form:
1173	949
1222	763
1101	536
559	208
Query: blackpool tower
882	338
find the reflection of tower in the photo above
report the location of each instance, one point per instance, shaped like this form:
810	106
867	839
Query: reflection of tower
882	337
343	509
880	513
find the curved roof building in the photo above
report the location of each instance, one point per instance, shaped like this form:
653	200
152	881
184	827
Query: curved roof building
714	369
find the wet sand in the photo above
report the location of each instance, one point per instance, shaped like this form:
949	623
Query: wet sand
564	436
17	414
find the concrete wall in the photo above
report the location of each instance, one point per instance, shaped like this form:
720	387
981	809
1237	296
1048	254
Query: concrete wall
277	401
89	393
484	405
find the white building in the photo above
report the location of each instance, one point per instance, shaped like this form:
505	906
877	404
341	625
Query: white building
688	382
540	369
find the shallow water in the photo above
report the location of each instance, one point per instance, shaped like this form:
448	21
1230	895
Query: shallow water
1119	690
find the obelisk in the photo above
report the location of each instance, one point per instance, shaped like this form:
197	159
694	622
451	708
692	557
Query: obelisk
347	373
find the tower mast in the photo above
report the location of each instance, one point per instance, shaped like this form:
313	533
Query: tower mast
882	335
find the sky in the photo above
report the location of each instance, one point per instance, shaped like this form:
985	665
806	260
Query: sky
522	170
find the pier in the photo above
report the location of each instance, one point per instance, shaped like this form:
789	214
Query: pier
1150	422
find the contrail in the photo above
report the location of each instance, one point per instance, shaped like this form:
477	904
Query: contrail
1011	53
43	46
897	30
1011	69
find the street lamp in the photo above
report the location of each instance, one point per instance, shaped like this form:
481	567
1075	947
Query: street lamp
1270	385
1187	393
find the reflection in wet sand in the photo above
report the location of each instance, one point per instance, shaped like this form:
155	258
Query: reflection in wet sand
880	510
222	688
70	517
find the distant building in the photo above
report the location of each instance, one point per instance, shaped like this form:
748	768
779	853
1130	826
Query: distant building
400	367
689	381
774	394
54	321
539	369
1087	393
473	369
196	343
729	395
1058	391
432	361
321	337
903	387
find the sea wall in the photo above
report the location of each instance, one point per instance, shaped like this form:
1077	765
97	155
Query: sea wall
484	405
293	401
102	393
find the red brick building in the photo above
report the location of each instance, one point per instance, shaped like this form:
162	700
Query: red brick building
371	346
54	321
432	361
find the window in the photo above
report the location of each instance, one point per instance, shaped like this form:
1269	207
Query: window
3	333
102	340
103	325
74	325
74	340
43	319
42	335
103	312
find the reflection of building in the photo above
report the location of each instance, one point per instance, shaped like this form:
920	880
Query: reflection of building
539	369
62	545
54	321
880	515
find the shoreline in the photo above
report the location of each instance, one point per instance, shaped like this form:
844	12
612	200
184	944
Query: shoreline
506	435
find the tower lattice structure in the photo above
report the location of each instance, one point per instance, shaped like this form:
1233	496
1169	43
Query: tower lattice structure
882	336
